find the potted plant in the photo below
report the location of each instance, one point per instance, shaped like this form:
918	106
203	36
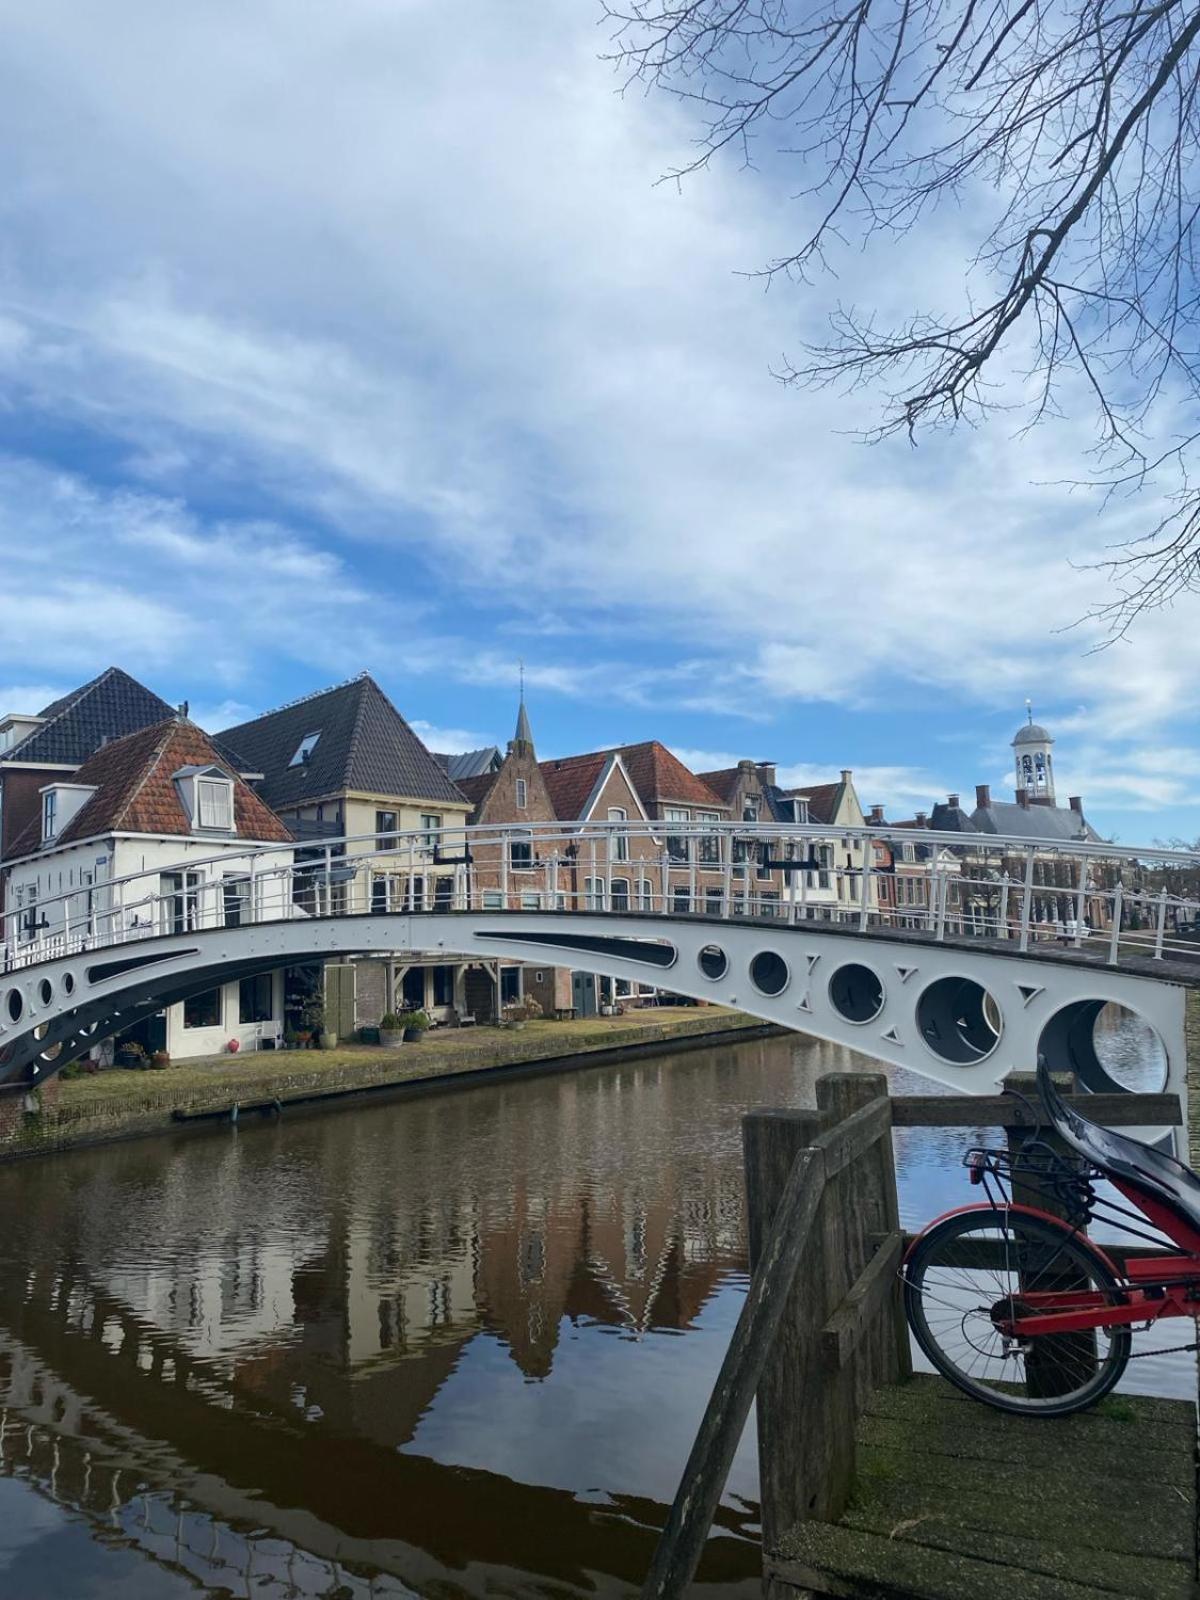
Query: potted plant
313	1017
415	1023
391	1031
160	1060
130	1054
303	1038
291	1039
514	1014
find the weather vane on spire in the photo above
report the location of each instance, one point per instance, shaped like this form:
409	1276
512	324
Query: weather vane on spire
1029	710
521	676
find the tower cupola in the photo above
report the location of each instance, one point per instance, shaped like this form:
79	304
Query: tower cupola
1034	762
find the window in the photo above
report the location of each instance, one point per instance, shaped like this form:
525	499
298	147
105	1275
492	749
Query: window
677	844
531	902
493	900
29	917
181	901
414	893
708	849
681	900
620	841
594	893
387	823
620	894
380	894
712	902
256	999
203	1010
304	750
214	804
431	827
750	810
443	986
235	901
510	985
647	895
520	855
522	794
443	894
799	810
763	856
49	815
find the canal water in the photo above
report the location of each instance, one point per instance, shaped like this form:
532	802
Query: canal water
452	1347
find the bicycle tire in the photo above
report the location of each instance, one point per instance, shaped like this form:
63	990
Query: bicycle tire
1039	1234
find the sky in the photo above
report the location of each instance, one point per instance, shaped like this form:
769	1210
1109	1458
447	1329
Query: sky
364	336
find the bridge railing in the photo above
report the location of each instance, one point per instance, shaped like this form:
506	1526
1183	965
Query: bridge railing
1110	901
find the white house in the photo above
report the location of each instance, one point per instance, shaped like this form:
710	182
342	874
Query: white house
110	852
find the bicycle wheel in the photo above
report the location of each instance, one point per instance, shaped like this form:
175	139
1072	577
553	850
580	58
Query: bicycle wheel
969	1272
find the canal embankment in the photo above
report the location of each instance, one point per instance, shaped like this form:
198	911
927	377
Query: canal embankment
117	1104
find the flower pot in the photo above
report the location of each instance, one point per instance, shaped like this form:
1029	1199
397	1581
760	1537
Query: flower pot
391	1040
413	1035
328	1040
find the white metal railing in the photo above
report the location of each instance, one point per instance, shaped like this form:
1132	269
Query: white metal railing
1111	900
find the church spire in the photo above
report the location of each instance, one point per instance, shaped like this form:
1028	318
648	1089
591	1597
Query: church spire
523	738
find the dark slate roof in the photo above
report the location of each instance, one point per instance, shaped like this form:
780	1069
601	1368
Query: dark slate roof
469	763
946	818
364	744
1032	822
109	707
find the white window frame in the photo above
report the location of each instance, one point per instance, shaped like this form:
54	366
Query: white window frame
49	815
522	794
431	827
619	841
216	796
492	900
304	749
531	901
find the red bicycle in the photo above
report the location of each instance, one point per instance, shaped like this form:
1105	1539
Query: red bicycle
1017	1306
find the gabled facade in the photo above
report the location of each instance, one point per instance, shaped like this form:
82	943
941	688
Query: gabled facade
37	748
141	809
834	881
344	763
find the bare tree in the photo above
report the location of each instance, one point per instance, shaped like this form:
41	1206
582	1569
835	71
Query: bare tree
1065	131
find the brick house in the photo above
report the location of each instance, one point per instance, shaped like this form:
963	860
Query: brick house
141	808
513	791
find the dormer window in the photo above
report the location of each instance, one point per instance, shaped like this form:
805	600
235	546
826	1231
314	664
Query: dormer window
214	804
305	749
207	797
49	815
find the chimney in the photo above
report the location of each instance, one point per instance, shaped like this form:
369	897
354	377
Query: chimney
952	801
845	774
1076	803
876	816
746	766
1023	799
922	819
983	795
766	771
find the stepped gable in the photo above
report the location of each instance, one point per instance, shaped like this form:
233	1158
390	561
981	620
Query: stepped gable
363	745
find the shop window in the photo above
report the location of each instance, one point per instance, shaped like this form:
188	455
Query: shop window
203	1010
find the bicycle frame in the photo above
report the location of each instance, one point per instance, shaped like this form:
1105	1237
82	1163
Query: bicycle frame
1154	1287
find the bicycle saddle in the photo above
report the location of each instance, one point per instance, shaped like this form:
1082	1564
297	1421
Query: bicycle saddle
1118	1156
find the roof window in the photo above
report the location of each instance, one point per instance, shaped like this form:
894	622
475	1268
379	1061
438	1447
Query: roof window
304	750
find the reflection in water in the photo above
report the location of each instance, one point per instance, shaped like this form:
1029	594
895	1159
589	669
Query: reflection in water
450	1348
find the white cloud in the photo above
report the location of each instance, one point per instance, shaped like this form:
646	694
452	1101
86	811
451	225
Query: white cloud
452	741
481	354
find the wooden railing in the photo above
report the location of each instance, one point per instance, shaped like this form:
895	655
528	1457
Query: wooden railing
823	1322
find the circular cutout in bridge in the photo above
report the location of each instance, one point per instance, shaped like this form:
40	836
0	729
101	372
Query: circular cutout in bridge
769	972
68	983
856	993
1107	1046
45	991
15	1004
714	963
959	1021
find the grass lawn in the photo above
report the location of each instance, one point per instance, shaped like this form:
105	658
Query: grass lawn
441	1050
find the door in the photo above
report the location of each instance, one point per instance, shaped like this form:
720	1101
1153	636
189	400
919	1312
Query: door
583	993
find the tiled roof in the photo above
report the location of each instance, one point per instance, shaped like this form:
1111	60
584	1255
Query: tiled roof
108	707
570	782
823	799
136	793
661	778
723	783
479	787
364	745
1032	822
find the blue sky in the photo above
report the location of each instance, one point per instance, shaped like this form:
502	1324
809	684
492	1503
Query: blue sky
354	336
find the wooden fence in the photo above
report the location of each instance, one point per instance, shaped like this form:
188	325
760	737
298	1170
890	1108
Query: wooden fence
823	1322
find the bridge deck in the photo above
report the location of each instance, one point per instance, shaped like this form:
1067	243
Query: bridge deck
954	1501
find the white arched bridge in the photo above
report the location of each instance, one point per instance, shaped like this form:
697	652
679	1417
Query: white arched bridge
1011	948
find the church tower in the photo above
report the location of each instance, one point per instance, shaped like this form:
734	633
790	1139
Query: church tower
1034	763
